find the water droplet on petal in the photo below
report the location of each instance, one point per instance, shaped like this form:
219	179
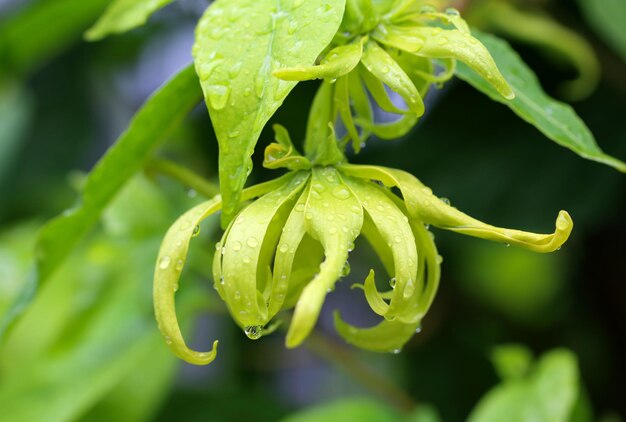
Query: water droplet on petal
218	96
252	242
254	332
392	282
237	246
340	192
196	231
164	262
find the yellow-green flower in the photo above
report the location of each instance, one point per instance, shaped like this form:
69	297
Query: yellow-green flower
395	45
290	245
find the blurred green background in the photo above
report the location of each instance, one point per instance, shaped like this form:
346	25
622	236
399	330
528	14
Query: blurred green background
88	348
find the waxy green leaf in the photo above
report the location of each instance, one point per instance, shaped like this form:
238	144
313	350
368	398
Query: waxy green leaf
556	120
124	15
156	120
238	46
548	393
42	29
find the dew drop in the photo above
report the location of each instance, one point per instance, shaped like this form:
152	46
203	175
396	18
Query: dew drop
235	69
439	259
299	207
196	231
445	201
252	242
397	239
218	96
254	332
451	11
237	246
164	262
309	215
179	265
396	351
341	192
332	230
283	248
392	282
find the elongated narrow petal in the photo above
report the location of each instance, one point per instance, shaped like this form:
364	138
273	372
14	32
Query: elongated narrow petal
170	264
381	64
342	103
338	62
293	233
391	336
422	204
387	336
244	268
328	197
396	233
454	44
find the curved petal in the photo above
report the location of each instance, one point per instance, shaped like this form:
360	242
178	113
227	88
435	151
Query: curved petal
244	262
396	233
334	217
282	153
454	44
377	61
293	232
391	336
423	205
338	62
170	264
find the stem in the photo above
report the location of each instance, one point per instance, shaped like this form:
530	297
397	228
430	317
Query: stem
182	175
342	357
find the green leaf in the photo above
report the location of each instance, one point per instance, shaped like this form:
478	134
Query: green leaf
549	393
124	15
156	120
41	30
608	17
352	409
238	46
556	120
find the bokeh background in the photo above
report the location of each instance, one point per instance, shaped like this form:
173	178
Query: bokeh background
88	348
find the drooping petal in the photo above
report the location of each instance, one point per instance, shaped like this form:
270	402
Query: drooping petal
381	64
396	233
292	235
170	264
247	253
282	153
338	62
391	336
423	205
342	103
334	217
455	44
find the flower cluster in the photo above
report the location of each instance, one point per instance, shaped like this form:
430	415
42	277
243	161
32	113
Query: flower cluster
404	46
289	247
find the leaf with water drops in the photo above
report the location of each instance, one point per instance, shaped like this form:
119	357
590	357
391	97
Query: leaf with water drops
556	120
422	204
153	124
334	217
124	15
238	46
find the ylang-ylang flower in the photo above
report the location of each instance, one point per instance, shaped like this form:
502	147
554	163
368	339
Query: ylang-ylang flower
288	247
